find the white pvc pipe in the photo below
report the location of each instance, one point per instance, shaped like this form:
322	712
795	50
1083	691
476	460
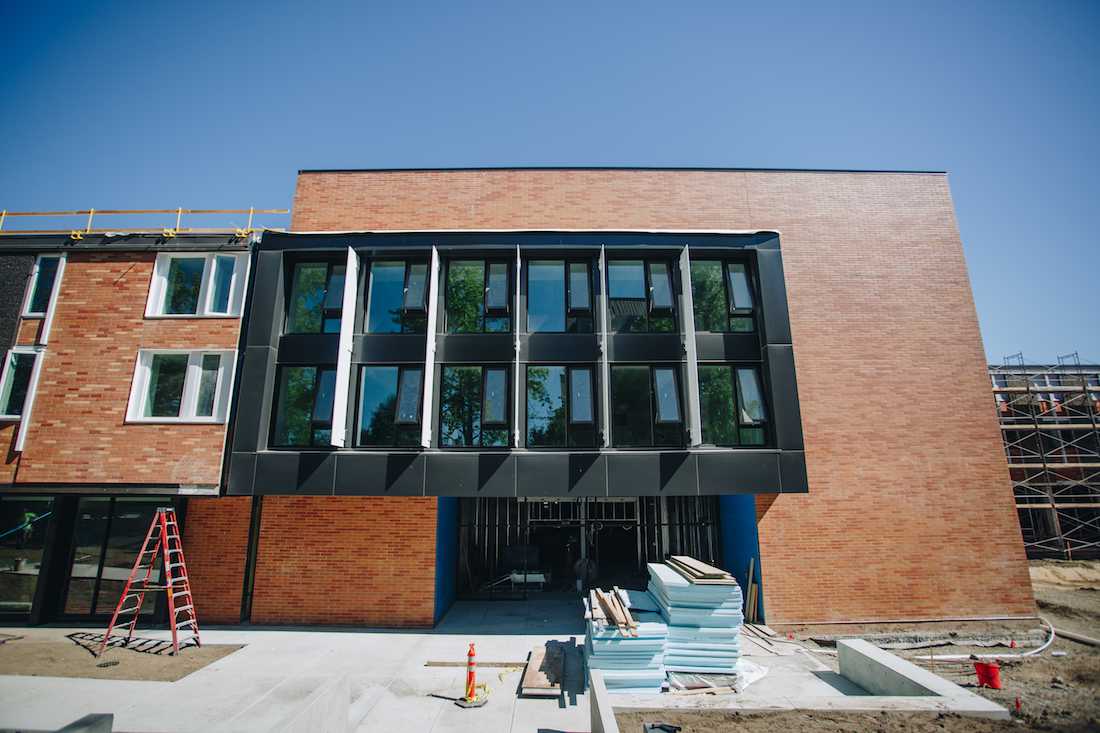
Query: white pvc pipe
1015	655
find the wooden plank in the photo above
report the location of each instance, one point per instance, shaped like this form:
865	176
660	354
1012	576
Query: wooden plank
622	606
707	571
704	691
540	673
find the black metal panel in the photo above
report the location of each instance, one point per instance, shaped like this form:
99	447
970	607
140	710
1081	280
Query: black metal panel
496	474
777	324
309	474
786	416
738	472
728	347
475	348
792	472
454	474
560	348
309	348
633	474
379	474
560	474
679	473
100	242
242	473
254	387
389	348
265	318
14	273
645	347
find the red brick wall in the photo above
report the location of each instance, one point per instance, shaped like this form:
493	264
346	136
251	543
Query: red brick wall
346	560
910	512
77	430
215	538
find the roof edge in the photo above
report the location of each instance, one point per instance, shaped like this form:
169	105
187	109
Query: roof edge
670	168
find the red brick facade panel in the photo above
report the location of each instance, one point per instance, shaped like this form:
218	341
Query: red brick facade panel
215	541
910	512
78	431
30	330
346	560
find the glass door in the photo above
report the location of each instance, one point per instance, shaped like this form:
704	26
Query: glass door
107	535
23	523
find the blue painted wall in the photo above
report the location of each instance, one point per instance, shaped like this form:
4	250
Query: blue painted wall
740	541
446	554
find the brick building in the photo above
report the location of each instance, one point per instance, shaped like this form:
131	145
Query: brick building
474	382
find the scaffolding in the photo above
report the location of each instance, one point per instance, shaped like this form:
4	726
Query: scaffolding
173	218
1050	424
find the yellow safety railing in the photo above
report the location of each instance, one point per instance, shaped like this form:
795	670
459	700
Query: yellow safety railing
166	231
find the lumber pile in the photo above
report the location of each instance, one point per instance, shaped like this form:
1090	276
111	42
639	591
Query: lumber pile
702	606
628	648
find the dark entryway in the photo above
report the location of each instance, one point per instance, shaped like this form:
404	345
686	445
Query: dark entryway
511	548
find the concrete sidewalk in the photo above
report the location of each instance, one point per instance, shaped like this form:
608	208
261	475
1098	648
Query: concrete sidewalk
282	675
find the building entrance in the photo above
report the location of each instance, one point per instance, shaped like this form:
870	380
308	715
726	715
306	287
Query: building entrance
511	548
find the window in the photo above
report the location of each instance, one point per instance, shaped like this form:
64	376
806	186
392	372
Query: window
303	408
396	297
555	303
645	407
197	284
389	405
15	381
181	386
316	298
477	297
41	285
731	405
640	296
559	407
722	296
473	407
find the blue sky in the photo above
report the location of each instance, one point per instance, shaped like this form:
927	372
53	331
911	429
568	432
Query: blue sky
157	105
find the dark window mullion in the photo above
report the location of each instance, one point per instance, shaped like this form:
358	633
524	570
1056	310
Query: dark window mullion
103	556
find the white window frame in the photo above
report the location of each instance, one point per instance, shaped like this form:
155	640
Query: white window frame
29	294
158	286
139	389
5	373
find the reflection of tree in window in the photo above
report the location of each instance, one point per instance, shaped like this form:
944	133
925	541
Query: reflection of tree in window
386	297
717	405
546	406
465	296
709	296
167	373
296	408
306	297
460	406
184	283
382	391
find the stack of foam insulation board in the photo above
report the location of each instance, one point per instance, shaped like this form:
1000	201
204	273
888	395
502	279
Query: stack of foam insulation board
702	606
629	663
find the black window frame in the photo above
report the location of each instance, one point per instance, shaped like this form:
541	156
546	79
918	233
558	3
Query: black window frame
326	313
570	422
420	311
314	424
651	311
571	313
730	311
398	423
509	407
763	425
486	311
654	423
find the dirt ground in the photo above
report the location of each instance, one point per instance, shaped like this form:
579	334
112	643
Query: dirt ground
72	656
1056	693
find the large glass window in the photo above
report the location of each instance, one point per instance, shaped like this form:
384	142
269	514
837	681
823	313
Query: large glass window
303	408
477	297
556	303
645	407
17	373
640	296
108	535
316	298
389	405
731	405
722	295
185	386
197	285
23	523
45	273
473	406
559	407
396	297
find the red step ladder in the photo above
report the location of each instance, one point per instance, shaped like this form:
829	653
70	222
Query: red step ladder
161	543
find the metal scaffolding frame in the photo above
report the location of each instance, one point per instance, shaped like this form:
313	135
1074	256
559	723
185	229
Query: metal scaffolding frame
1050	424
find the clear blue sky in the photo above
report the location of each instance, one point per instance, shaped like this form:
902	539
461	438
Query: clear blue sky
154	104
